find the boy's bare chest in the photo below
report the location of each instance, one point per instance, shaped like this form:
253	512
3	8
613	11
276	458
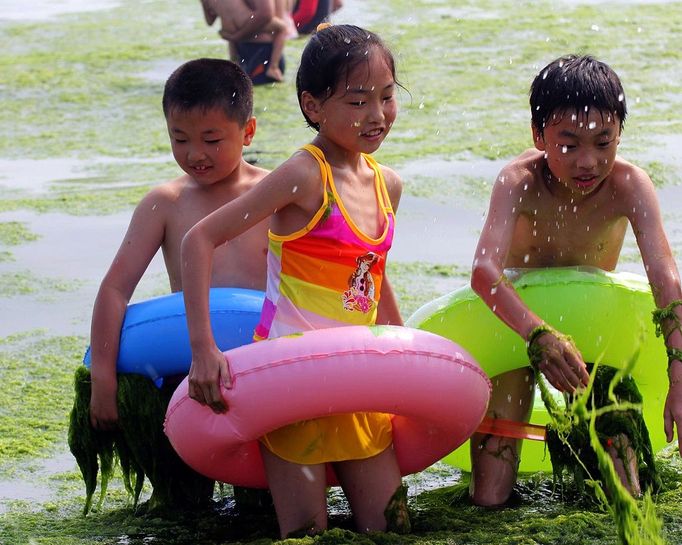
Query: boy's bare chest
569	235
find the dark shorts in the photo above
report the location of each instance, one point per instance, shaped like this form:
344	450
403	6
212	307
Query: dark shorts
253	58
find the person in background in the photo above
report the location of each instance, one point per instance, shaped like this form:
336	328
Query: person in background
256	32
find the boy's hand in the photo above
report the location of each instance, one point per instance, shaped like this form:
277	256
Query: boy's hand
672	412
103	406
561	363
208	371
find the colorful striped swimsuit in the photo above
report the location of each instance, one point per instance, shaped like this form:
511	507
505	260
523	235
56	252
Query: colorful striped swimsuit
327	274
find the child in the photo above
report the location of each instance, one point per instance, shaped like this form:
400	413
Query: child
329	204
567	202
242	22
208	108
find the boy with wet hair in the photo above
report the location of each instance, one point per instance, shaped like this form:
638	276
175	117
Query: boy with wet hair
208	106
565	203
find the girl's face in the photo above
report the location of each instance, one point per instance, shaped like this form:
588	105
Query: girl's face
360	113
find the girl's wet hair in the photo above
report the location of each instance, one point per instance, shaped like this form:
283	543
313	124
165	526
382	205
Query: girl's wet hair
331	55
208	84
577	84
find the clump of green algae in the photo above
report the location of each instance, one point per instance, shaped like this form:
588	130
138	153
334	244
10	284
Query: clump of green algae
617	403
139	445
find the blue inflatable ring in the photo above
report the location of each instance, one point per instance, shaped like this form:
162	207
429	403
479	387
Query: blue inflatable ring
154	337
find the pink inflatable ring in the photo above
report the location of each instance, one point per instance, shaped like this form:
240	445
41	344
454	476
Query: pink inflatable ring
435	390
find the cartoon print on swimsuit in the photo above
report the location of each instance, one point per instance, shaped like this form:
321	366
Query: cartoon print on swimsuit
360	293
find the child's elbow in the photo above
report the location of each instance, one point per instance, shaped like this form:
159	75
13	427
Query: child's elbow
483	275
189	241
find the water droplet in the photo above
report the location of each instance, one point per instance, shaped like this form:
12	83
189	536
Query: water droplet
307	473
526	258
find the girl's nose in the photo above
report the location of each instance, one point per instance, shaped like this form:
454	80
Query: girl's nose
376	112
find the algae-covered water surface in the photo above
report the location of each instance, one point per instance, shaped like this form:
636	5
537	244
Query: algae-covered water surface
84	139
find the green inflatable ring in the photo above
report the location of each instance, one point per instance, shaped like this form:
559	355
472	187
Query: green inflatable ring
607	314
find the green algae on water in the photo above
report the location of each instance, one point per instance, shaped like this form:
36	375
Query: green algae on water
35	372
25	283
14	233
416	283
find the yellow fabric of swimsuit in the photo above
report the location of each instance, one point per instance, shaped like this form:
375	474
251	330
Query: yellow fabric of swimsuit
333	438
306	268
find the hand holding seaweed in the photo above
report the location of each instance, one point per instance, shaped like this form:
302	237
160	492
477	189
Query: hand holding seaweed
672	413
668	323
556	356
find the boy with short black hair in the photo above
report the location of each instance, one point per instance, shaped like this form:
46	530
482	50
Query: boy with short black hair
568	202
208	106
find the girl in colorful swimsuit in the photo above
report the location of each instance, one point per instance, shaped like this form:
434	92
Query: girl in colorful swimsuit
331	209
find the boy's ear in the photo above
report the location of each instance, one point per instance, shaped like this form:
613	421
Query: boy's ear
311	106
538	140
249	131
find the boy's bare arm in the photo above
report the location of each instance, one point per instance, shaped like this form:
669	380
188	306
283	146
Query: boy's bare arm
562	364
142	240
663	275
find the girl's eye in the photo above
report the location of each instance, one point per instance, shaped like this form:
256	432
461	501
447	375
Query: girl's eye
387	98
359	103
605	144
179	141
211	141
